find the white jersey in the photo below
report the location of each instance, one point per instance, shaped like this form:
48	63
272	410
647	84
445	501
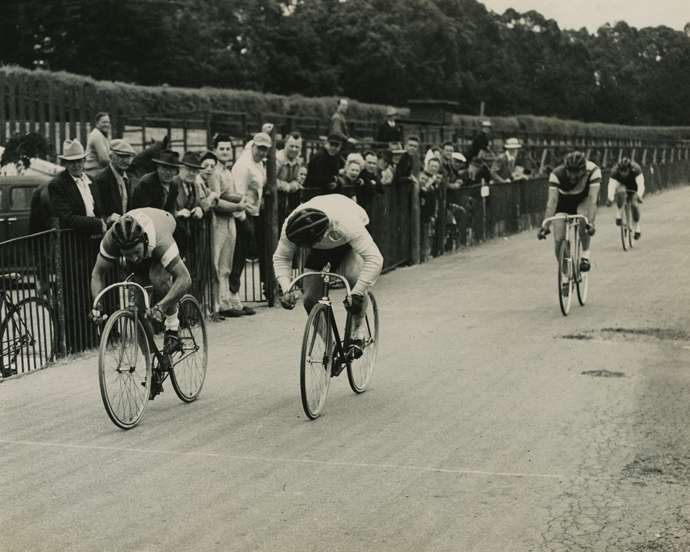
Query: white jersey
347	225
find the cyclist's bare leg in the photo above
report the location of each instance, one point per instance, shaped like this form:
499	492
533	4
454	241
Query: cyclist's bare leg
558	231
635	208
620	200
350	268
162	281
585	238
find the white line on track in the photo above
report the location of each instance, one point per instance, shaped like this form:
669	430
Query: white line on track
250	458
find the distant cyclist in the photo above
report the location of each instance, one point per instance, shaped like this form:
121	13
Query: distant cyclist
144	237
333	227
573	189
626	179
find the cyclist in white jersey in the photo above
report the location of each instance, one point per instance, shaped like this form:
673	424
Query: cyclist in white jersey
144	237
333	227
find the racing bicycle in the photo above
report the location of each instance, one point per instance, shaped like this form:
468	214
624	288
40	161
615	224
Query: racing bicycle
129	359
325	354
570	277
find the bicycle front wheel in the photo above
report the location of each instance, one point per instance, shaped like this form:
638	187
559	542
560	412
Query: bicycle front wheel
189	365
360	370
565	278
581	278
27	337
316	361
124	369
629	223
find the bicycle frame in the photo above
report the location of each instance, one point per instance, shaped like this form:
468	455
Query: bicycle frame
326	275
130	284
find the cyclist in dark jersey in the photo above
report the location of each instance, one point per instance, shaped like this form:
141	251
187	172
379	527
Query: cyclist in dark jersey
144	237
626	179
573	189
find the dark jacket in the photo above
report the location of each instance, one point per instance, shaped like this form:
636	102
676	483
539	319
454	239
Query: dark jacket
405	168
149	193
68	205
387	133
41	214
108	196
322	170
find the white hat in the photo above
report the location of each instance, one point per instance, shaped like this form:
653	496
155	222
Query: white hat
72	150
459	156
512	143
487	123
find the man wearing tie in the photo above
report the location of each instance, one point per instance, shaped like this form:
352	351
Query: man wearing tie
72	194
503	169
111	185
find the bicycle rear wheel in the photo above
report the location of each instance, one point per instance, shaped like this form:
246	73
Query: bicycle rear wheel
124	369
316	361
27	337
360	370
189	365
565	278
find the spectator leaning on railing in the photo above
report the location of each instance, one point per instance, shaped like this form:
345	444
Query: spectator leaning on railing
325	165
112	185
507	166
349	183
71	192
288	163
193	197
249	174
158	189
408	164
481	145
98	146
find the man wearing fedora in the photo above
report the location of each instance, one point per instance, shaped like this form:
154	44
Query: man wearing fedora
389	131
112	185
506	167
158	189
72	194
193	197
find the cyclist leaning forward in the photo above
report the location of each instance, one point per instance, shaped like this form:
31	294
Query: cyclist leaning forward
627	179
573	190
144	237
333	227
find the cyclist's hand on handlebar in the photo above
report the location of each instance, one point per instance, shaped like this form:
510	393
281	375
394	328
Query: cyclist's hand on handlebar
543	232
288	300
96	316
156	313
590	229
355	304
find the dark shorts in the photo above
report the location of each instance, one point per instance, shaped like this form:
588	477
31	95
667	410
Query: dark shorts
568	204
318	258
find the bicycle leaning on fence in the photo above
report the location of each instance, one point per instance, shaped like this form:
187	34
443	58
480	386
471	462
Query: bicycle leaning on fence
27	334
570	252
129	358
325	355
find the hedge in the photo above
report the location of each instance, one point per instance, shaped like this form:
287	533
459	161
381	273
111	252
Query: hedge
166	101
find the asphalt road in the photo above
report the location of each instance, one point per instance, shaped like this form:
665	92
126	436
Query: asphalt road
492	424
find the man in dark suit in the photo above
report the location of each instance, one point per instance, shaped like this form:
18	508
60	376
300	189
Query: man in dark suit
71	192
158	189
325	165
112	185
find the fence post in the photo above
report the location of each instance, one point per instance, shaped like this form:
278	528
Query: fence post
271	222
3	120
59	291
415	224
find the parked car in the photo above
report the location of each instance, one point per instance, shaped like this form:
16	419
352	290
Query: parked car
15	203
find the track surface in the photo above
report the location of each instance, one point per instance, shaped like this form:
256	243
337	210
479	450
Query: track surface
493	423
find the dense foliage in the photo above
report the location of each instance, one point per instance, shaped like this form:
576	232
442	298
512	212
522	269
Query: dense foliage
382	51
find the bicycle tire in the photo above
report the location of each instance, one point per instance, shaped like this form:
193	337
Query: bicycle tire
188	373
629	223
27	337
624	231
360	370
314	381
581	278
135	382
565	262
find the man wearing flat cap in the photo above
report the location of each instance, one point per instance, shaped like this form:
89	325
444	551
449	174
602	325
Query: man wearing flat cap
72	194
158	189
112	185
325	165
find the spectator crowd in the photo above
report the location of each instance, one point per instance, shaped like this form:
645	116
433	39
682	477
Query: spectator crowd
107	178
